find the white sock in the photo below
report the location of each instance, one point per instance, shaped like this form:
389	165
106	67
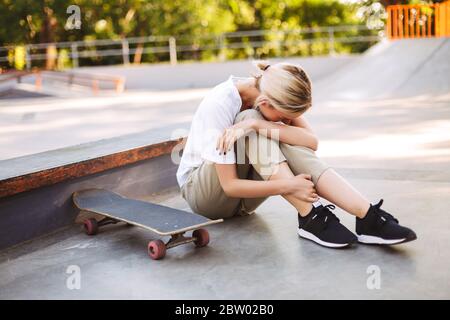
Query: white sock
317	204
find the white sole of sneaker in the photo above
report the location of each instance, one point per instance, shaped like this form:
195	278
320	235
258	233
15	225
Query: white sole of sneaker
378	240
308	235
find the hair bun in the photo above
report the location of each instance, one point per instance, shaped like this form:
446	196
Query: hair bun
261	64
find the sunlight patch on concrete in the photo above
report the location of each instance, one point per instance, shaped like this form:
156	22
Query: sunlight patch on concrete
410	144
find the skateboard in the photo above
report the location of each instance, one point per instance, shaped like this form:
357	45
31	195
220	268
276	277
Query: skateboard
162	220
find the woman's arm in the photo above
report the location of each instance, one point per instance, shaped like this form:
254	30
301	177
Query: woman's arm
299	186
297	132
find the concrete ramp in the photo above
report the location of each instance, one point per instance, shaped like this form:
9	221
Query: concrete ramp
432	77
392	69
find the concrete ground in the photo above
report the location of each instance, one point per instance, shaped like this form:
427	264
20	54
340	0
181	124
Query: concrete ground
255	257
393	148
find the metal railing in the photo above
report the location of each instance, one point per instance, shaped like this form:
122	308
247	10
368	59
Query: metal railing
96	82
175	46
418	21
15	75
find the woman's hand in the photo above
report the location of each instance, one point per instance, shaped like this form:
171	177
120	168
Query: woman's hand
302	188
231	135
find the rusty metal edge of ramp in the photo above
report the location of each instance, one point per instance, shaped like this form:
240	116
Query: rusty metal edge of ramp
27	215
26	173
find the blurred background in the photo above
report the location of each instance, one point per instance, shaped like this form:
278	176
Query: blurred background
63	34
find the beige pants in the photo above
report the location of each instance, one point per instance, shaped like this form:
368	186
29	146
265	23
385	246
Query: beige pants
257	156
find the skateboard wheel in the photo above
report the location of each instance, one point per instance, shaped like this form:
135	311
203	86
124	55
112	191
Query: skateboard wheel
201	237
156	249
91	226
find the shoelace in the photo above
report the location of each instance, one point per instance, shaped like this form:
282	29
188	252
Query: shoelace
326	214
383	215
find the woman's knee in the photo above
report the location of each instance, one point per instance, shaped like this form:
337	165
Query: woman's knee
304	160
248	114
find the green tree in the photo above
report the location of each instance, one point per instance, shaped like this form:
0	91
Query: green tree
36	21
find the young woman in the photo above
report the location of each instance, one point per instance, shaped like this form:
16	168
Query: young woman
248	141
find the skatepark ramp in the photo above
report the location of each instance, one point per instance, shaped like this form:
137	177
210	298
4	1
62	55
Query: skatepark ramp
41	82
401	68
39	187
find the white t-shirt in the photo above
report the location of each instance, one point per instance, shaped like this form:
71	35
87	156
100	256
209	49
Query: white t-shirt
216	112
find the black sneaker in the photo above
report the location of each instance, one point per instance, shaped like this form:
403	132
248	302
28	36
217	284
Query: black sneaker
380	227
324	228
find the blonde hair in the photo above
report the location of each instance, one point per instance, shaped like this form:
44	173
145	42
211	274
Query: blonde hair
286	86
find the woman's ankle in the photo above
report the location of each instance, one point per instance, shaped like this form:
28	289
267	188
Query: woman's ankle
305	210
361	212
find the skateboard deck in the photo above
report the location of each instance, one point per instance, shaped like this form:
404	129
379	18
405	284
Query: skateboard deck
160	219
157	218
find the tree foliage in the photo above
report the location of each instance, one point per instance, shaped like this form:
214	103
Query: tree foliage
37	21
